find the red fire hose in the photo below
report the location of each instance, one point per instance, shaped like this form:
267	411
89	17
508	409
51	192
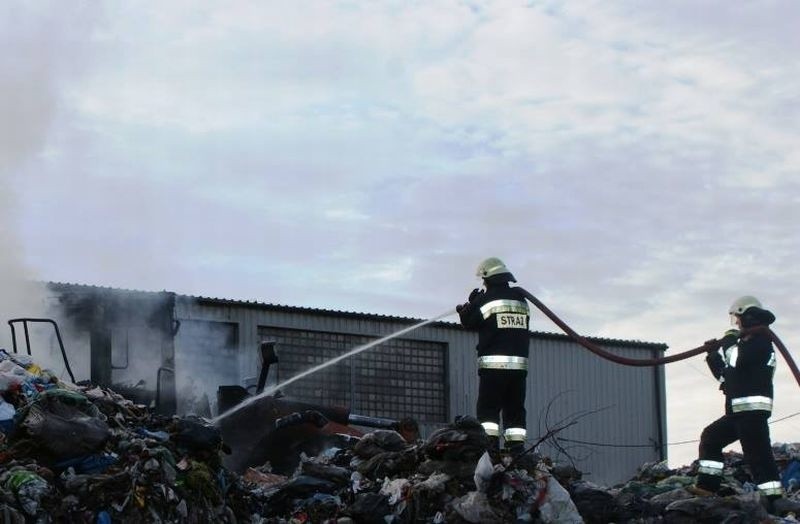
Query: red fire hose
708	346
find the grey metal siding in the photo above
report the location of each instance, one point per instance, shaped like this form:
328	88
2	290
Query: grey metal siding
613	408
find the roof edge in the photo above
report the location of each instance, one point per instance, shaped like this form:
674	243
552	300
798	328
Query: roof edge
660	346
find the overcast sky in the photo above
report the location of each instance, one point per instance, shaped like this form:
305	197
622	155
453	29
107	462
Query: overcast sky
636	164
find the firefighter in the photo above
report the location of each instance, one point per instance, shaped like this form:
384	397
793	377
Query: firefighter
744	367
500	314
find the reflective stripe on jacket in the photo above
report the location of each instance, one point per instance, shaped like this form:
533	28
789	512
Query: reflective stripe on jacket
502	318
745	371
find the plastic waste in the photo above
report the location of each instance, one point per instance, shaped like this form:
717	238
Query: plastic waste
7	413
739	508
65	431
790	478
395	490
484	472
29	489
369	508
474	507
558	507
463	440
161	436
96	463
379	441
195	434
12	374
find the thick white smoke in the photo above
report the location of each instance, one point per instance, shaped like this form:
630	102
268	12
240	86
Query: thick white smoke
44	46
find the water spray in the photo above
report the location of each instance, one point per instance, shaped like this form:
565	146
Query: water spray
331	362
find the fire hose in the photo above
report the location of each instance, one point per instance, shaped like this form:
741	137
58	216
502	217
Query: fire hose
710	345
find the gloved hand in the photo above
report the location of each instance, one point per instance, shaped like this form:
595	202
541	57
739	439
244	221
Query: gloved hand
474	294
462	307
730	338
711	345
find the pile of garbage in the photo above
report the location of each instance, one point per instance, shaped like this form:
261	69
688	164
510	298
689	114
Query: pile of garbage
85	454
78	453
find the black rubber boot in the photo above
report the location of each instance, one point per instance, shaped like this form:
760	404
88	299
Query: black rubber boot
494	450
515	448
519	458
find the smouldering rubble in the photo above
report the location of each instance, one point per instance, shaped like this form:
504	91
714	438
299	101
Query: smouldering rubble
84	454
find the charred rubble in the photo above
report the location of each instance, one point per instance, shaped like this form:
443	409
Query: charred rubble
85	454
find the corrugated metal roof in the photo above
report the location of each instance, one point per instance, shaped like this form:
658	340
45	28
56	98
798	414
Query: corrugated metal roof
92	287
374	316
352	314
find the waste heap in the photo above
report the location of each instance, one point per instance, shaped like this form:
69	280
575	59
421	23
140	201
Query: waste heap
84	454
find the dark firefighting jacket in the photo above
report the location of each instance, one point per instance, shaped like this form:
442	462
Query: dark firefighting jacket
502	317
745	371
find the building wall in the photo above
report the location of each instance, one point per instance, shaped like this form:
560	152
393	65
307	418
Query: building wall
112	336
612	417
618	411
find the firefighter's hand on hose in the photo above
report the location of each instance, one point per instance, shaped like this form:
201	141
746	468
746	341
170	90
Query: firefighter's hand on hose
711	345
474	294
730	338
461	308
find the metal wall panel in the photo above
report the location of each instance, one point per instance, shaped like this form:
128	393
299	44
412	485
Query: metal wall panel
614	408
611	405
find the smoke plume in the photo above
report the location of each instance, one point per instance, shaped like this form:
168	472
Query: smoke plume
44	46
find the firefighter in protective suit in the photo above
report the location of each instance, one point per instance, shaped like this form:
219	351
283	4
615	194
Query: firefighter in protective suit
744	367
500	314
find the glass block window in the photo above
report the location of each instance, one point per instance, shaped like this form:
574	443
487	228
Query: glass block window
399	378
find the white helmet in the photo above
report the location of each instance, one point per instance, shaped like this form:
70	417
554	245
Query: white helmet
742	304
494	266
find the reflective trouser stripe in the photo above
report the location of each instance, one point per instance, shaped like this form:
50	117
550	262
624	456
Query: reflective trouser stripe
491	428
711	467
751	404
772	487
515	434
502	362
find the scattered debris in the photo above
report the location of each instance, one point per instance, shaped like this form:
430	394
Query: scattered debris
84	454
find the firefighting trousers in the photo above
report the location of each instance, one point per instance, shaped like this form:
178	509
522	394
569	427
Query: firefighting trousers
502	391
750	428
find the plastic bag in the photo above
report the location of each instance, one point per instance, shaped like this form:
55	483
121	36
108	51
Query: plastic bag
558	506
66	437
474	507
484	472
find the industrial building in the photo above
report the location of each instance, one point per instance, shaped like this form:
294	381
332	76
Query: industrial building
174	351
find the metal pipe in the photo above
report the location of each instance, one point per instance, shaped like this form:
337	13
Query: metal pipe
13	335
372	422
158	385
28	342
27	337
